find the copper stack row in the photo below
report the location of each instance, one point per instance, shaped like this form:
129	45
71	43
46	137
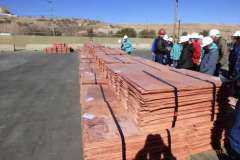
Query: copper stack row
161	112
58	49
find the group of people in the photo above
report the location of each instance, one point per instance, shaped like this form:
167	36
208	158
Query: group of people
202	54
196	52
207	55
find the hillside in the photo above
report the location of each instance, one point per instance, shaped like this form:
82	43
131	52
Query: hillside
227	30
80	27
59	26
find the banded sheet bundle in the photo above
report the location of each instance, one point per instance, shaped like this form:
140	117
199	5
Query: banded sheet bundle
148	110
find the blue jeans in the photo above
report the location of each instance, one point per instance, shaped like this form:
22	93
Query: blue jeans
174	63
153	57
234	137
160	58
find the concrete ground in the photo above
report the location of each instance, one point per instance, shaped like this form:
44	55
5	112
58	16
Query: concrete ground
39	107
145	53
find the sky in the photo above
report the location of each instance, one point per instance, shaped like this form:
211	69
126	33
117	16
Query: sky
131	11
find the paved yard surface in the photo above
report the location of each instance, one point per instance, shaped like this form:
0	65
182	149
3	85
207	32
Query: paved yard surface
39	107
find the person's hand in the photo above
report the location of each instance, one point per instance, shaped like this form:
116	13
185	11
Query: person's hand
199	62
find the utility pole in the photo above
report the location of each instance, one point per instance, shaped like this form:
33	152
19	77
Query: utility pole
175	19
50	2
179	28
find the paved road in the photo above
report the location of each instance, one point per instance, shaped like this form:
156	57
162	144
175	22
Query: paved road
39	107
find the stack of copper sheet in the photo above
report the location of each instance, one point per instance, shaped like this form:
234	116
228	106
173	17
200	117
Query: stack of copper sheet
164	113
58	48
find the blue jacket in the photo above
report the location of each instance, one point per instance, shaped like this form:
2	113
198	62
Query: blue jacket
154	46
176	51
127	46
234	137
209	60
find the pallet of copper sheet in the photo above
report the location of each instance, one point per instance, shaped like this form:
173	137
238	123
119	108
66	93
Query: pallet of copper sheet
138	140
87	60
92	77
113	70
125	59
101	138
86	66
89	74
153	90
103	60
110	51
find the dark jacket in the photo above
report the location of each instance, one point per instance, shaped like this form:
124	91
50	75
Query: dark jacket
185	60
210	60
160	46
234	61
234	137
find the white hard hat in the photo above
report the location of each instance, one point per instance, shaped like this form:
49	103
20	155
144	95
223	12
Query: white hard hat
125	37
214	33
165	37
206	41
194	35
184	39
236	34
170	39
201	36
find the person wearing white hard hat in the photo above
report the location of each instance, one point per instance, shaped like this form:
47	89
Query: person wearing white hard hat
169	46
210	57
233	148
215	34
126	45
175	54
234	57
197	50
185	60
165	37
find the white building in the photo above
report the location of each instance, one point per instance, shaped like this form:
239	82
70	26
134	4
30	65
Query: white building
5	12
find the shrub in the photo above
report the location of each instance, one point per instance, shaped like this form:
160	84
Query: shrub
130	32
147	33
204	33
90	32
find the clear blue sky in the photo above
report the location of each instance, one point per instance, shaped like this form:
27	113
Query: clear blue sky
132	11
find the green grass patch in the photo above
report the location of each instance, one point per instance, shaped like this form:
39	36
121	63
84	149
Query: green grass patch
23	40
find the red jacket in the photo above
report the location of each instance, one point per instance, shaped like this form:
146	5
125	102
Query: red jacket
197	51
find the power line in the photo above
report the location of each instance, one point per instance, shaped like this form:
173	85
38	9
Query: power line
50	2
175	19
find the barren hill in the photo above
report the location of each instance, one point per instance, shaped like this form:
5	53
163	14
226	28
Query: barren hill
46	26
77	27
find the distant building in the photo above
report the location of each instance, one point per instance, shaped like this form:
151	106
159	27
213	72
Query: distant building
5	34
5	12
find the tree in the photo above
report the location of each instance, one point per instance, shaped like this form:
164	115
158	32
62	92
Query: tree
130	32
90	32
147	33
184	33
204	33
